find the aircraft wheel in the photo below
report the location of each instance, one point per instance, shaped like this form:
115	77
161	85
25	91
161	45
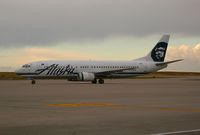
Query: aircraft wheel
101	81
33	82
94	81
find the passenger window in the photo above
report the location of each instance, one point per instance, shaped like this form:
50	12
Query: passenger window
26	66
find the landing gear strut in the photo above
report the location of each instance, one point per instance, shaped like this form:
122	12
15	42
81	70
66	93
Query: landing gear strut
33	82
94	81
101	81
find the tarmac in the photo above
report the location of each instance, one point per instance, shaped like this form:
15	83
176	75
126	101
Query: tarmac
118	107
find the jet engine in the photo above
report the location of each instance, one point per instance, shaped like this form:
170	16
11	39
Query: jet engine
82	76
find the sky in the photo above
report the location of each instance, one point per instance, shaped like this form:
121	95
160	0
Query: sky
32	30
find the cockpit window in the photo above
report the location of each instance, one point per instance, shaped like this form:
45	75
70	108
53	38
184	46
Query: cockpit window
26	66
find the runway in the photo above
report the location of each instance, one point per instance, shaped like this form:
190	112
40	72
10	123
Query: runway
118	107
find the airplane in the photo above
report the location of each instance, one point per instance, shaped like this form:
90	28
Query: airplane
97	71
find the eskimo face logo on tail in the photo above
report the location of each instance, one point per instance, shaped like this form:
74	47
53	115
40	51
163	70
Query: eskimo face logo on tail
56	70
158	52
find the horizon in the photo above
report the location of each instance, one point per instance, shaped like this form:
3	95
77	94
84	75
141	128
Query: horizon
98	30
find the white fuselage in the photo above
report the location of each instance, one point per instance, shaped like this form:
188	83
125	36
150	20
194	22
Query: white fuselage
66	68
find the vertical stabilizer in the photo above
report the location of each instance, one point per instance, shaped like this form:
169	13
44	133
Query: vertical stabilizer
157	54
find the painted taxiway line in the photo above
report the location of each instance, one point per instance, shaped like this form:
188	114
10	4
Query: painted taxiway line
93	104
178	132
105	104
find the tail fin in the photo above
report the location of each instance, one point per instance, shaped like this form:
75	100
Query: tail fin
157	54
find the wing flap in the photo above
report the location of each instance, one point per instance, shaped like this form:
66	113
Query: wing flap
113	71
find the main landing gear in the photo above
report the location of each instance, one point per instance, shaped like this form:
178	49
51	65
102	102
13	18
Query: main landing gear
94	81
100	81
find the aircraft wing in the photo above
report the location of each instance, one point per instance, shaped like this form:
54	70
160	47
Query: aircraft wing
112	71
168	62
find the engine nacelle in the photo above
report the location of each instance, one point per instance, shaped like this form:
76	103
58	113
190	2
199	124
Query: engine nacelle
82	76
85	76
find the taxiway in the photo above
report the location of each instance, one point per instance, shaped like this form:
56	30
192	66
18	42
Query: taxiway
118	107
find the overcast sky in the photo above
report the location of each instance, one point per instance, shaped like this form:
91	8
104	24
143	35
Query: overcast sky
63	24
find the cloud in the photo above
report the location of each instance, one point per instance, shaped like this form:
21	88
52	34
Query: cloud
46	22
115	48
12	59
35	54
185	52
190	54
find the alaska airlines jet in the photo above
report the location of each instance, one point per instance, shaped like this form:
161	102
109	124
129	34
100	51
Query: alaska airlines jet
97	71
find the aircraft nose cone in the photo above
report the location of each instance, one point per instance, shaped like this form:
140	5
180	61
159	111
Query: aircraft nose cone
18	72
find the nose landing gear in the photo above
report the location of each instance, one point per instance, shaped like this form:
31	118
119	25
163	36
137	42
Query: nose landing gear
33	82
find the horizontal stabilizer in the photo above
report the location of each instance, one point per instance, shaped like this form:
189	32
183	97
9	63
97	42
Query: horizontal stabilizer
168	62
